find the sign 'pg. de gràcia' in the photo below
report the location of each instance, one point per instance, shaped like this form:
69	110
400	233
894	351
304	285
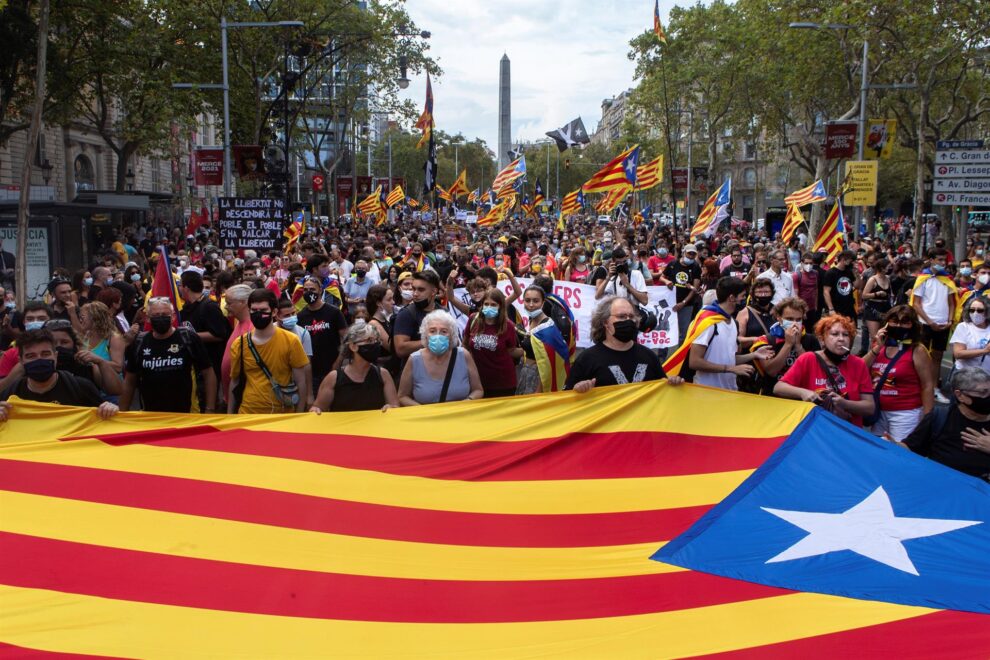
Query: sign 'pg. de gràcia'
247	223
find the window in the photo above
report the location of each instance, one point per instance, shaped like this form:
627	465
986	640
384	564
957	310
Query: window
155	174
749	177
749	151
782	176
83	174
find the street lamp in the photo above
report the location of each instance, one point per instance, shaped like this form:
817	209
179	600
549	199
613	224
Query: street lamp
225	85
46	171
403	79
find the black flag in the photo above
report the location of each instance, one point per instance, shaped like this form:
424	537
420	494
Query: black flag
570	135
430	170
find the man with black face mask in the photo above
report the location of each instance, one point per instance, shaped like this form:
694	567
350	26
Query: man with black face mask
616	358
959	436
160	366
326	326
43	382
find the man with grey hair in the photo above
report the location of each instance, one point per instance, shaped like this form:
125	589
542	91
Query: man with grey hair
959	436
616	358
160	365
783	282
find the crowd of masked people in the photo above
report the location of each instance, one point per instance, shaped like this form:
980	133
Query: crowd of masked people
356	317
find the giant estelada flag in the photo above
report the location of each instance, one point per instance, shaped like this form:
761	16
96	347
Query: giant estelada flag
525	527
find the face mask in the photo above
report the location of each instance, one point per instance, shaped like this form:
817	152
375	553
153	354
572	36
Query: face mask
261	319
662	252
980	404
807	267
311	297
66	360
536	268
983	279
360	273
109	281
533	313
762	301
625	330
688	261
835	358
34	325
582	258
965	271
10	304
499	250
979	253
206	293
370	352
182	264
39	370
422	304
406	294
196	249
135	277
289	322
529	250
88	281
438	344
489	312
978	318
786	324
897	335
908	255
160	324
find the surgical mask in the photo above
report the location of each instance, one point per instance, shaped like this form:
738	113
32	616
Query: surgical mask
625	330
499	250
533	313
978	317
206	293
979	252
529	250
787	324
289	322
34	325
688	261
582	258
88	281
983	279
438	344
908	255
662	252
261	319
965	271
938	269
39	370
489	312
807	267
979	404
311	297
10	304
160	324
406	294
109	281
135	277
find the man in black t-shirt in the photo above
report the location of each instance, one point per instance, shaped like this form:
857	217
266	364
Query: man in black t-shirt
326	326
616	358
204	317
407	339
685	274
736	267
959	437
161	364
44	383
839	285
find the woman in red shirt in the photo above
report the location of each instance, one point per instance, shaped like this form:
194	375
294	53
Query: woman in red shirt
577	266
491	339
908	391
832	377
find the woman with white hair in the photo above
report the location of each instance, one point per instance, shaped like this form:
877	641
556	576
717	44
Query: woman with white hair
441	370
360	384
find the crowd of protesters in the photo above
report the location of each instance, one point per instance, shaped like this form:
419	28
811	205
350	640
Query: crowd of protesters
357	317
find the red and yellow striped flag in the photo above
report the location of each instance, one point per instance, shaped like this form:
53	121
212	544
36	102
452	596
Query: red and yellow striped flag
459	187
650	175
831	237
792	221
418	532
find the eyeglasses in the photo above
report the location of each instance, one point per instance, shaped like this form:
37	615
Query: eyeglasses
624	317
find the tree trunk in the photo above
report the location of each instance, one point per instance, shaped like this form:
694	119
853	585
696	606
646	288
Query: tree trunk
919	184
123	160
815	224
23	206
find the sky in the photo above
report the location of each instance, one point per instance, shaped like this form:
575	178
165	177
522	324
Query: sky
566	57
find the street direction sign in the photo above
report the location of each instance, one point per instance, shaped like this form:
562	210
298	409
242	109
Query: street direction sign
962	157
961	199
962	185
962	171
958	144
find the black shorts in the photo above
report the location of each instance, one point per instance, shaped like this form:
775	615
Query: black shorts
934	340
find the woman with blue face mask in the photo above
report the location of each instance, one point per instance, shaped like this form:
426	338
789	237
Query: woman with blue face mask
491	340
442	370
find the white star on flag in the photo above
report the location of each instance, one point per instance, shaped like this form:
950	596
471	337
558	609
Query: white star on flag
869	529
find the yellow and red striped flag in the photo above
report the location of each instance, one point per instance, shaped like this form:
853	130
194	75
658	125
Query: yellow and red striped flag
650	174
657	26
831	238
421	532
572	203
619	172
612	199
397	196
425	122
792	221
514	170
459	188
373	203
498	212
444	194
712	213
813	193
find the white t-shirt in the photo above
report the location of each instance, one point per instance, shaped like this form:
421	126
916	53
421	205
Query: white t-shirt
972	336
345	268
305	339
783	284
934	300
722	347
636	281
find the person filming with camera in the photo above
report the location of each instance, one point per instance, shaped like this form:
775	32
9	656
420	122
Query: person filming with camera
616	357
622	281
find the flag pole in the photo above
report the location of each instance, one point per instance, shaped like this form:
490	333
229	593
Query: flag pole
670	148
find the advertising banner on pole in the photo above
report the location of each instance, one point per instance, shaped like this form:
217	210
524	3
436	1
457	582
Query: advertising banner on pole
208	166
